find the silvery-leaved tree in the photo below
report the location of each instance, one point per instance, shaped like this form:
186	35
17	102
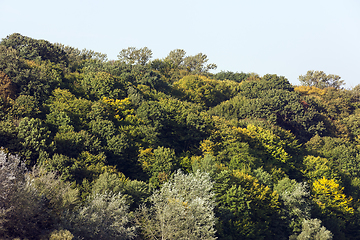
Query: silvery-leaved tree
182	209
31	202
104	216
22	211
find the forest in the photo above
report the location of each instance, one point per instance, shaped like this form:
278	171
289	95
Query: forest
142	148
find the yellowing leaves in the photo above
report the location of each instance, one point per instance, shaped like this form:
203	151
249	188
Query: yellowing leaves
329	196
122	109
307	90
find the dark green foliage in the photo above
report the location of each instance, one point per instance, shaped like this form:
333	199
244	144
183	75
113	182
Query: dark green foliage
227	75
272	98
244	208
34	138
32	49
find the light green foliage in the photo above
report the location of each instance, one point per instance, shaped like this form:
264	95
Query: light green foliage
181	209
263	177
109	183
25	106
66	109
104	216
176	57
342	154
273	144
312	230
251	147
135	192
296	198
319	79
318	167
205	164
205	91
97	85
194	64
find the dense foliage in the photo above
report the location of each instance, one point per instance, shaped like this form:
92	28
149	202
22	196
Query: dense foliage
163	149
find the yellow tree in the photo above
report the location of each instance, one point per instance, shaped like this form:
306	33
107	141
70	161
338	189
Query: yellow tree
329	196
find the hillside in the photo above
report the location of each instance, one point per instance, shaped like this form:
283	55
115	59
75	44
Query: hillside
142	148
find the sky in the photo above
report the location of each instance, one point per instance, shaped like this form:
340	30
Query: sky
283	37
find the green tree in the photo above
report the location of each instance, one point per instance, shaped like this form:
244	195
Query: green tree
246	209
132	55
159	164
34	138
205	91
97	85
197	64
176	57
228	75
31	49
319	79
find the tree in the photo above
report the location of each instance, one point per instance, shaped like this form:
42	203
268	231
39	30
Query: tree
132	55
319	79
312	229
32	49
246	209
329	196
34	138
31	202
158	163
7	88
296	201
176	57
181	209
228	75
196	64
104	216
101	84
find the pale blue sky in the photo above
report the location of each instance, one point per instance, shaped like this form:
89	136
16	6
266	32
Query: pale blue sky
284	37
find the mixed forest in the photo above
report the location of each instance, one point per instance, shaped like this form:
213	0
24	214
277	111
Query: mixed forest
142	148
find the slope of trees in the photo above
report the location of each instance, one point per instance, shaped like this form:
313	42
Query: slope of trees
142	148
